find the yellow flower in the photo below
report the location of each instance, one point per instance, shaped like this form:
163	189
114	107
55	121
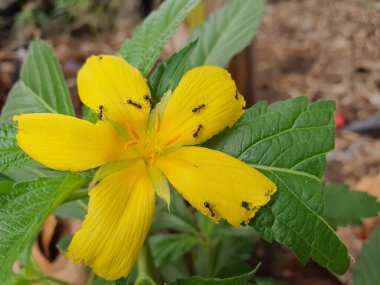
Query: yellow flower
140	150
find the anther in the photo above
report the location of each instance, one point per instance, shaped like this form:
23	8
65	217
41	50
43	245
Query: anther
101	112
196	133
133	133
172	140
130	143
137	105
208	206
196	109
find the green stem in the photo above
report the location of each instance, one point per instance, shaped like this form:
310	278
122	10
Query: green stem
145	264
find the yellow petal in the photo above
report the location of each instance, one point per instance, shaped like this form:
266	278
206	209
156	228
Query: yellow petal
116	90
216	184
205	102
67	143
120	213
161	185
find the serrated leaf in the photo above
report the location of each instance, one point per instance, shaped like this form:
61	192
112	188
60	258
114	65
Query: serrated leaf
11	156
168	73
24	209
149	39
227	31
344	207
237	280
170	247
41	88
288	141
367	266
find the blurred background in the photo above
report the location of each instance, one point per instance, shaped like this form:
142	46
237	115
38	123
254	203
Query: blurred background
326	50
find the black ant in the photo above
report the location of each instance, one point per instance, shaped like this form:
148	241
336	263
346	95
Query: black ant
196	109
208	206
196	133
101	112
137	105
147	98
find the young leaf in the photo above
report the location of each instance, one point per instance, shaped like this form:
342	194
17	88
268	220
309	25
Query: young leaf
149	39
168	74
227	31
237	280
344	207
41	88
23	210
288	141
11	156
367	267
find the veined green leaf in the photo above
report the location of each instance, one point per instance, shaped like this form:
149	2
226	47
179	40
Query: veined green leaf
288	141
344	207
227	31
168	74
11	156
237	280
21	99
149	39
171	247
367	266
24	209
41	88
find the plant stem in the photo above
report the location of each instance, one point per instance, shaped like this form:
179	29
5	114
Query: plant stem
145	264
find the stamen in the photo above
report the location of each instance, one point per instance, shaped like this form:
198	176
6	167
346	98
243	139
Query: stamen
130	143
158	121
133	133
171	140
154	158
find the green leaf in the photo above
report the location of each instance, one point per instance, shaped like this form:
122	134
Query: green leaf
227	31
367	266
178	219
21	99
168	74
149	39
288	141
122	281
11	156
237	280
41	88
24	209
89	115
167	248
344	207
